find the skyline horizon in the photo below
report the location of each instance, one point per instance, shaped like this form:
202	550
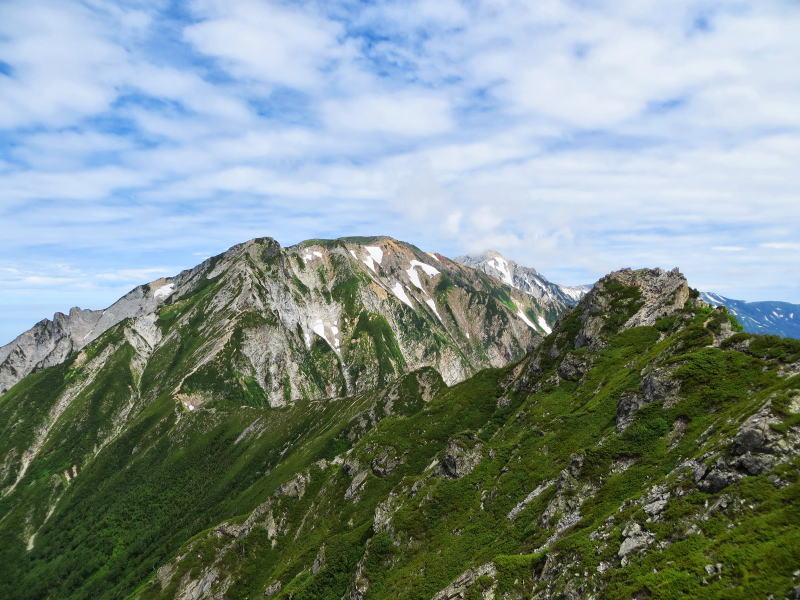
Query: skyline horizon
10	328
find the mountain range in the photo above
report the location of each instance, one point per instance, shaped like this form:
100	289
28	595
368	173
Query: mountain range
776	318
49	342
357	418
365	308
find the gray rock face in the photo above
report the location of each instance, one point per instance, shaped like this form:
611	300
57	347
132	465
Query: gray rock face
295	487
384	463
520	506
655	501
50	342
574	366
756	448
634	539
319	561
657	385
564	510
357	483
273	588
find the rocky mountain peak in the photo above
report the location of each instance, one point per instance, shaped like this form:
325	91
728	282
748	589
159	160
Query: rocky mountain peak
629	298
329	317
554	299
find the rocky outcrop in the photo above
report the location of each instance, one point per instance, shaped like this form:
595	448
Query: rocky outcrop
385	462
634	539
564	510
574	366
758	446
50	342
629	298
296	486
520	506
459	587
460	458
657	385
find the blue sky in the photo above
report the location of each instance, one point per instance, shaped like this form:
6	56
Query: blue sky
138	137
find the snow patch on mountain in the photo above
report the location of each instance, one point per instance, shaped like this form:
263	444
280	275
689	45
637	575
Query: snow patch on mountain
375	252
501	264
430	271
399	291
527	321
543	324
554	298
430	302
164	292
414	277
311	255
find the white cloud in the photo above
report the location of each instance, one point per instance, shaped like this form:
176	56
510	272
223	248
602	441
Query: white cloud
267	42
64	68
136	275
781	245
403	113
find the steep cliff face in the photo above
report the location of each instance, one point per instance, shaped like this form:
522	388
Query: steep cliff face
50	342
643	449
629	298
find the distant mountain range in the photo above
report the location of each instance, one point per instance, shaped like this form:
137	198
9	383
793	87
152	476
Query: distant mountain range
768	317
535	310
777	318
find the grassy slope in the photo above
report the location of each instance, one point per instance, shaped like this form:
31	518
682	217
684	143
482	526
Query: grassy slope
443	526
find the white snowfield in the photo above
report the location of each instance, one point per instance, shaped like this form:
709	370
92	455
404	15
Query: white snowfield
318	327
414	277
375	252
501	265
430	271
164	292
374	255
309	255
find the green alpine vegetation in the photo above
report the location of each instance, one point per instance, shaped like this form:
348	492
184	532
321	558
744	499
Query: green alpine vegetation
226	446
